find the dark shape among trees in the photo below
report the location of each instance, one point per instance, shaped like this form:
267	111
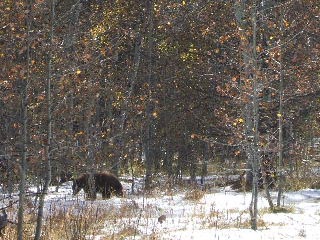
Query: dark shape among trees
104	183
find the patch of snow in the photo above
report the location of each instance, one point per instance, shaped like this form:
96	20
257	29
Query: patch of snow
219	215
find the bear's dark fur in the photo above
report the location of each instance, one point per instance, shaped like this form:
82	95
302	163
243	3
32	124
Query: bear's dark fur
105	183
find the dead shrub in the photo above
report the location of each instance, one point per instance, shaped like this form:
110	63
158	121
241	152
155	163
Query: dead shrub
194	195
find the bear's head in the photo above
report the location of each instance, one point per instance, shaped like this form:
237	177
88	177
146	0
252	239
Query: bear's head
118	191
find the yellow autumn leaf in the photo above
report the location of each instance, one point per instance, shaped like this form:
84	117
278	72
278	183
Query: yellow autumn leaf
183	3
279	115
78	71
240	120
155	114
79	133
286	23
259	49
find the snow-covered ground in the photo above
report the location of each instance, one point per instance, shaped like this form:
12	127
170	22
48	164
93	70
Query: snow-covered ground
219	214
222	214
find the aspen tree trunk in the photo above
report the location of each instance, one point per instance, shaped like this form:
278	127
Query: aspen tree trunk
169	145
204	167
24	110
149	111
90	141
266	186
255	160
245	14
47	144
280	122
280	151
256	153
264	4
90	161
23	163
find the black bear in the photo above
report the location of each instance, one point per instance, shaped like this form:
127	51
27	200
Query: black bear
105	183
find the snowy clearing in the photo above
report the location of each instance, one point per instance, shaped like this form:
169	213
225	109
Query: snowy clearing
221	214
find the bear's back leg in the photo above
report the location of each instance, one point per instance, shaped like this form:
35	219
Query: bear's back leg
106	194
89	195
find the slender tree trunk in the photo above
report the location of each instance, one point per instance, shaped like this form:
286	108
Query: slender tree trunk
280	122
169	143
90	157
255	147
90	142
47	144
23	167
204	167
266	186
190	161
10	174
150	105
169	157
255	158
264	4
246	14
23	162
24	117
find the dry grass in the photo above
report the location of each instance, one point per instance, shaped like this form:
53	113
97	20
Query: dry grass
81	221
315	184
286	209
122	233
247	224
297	183
303	177
77	222
194	195
232	218
10	232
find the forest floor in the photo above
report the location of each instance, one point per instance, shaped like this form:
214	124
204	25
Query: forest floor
220	213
